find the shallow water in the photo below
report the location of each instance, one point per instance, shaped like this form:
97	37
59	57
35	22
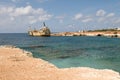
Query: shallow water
64	52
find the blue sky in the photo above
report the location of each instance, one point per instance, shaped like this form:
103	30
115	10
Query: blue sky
60	15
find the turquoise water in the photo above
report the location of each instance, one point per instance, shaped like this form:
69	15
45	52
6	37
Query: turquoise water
65	52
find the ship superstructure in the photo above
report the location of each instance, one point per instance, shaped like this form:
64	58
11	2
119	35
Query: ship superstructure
44	31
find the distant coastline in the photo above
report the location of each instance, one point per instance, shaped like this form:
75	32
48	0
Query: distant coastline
103	32
46	32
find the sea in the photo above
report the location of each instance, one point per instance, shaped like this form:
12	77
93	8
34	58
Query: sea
68	51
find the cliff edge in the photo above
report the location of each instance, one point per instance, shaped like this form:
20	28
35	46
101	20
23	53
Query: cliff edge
16	64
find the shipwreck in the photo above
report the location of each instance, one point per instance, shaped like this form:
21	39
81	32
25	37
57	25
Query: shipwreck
44	31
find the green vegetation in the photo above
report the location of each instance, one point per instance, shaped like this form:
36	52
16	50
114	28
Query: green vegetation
102	30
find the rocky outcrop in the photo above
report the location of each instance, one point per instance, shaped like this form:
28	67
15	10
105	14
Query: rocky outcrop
15	64
87	33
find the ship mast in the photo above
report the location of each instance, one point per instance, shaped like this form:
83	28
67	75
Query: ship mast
44	24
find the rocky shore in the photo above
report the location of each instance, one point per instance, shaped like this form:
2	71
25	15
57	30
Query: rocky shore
89	33
17	64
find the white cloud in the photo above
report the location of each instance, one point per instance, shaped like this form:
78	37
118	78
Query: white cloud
78	16
27	11
5	10
100	13
108	18
87	20
21	16
101	19
111	15
22	11
82	18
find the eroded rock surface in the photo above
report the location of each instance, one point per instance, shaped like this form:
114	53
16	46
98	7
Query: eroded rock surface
15	64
